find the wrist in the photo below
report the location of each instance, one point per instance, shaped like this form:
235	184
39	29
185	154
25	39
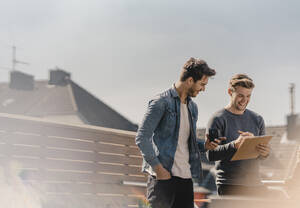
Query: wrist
158	168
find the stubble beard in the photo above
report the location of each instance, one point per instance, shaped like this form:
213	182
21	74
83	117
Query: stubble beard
192	92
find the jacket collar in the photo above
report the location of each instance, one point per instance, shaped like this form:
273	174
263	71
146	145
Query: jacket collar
174	93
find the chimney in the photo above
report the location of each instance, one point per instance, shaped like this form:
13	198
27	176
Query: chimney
59	77
21	81
293	127
293	120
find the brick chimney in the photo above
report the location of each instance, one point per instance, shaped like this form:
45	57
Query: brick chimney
21	81
59	77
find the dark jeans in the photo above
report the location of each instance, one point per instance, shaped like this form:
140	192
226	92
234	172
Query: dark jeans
173	193
252	191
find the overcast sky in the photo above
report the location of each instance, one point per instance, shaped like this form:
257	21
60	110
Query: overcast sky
126	51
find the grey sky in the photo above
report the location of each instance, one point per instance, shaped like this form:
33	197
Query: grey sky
124	52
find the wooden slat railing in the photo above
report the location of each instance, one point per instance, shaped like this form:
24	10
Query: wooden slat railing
73	165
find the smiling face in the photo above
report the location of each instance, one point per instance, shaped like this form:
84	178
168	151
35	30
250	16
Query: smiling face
196	87
240	97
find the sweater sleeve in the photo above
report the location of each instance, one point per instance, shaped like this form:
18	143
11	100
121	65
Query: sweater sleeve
262	128
223	151
262	131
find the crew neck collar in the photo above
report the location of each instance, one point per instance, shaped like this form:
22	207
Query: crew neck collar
233	114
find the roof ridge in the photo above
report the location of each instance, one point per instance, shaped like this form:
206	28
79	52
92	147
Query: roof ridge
72	97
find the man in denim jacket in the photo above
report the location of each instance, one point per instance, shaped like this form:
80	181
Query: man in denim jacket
168	143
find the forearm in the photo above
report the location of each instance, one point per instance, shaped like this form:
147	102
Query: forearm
222	152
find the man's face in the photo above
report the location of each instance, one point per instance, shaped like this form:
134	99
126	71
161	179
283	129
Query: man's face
196	87
240	97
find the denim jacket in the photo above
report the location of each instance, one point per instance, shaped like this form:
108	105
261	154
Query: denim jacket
157	136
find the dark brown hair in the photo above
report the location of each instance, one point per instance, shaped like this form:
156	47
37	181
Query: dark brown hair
196	68
242	80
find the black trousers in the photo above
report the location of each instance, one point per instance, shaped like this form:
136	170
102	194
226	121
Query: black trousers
173	193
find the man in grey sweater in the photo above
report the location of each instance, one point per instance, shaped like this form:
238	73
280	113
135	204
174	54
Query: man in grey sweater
234	122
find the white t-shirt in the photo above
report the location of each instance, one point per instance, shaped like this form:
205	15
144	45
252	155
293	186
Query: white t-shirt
181	166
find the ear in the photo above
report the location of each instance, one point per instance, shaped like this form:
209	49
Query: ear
229	91
190	80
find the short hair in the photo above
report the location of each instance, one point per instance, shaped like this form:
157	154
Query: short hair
195	68
241	80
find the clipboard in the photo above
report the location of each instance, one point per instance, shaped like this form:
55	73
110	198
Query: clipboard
247	148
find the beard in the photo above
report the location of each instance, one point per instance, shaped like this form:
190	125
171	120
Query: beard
192	92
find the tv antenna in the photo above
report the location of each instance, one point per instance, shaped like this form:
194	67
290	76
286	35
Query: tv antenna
15	61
